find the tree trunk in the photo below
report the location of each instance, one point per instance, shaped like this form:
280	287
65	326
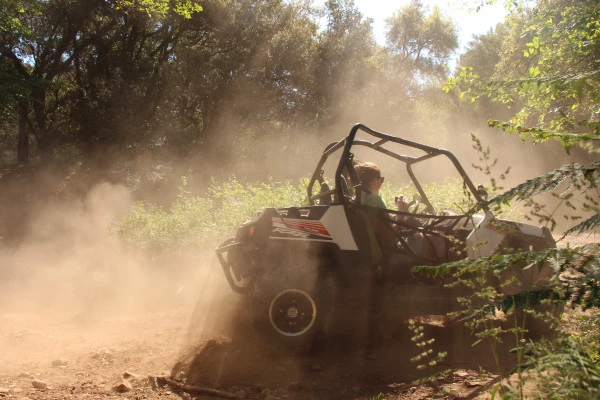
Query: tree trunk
45	144
23	143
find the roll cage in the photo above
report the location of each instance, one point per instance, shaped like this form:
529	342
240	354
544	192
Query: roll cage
378	143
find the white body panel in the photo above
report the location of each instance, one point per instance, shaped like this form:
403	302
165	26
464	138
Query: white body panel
333	227
488	235
482	240
337	224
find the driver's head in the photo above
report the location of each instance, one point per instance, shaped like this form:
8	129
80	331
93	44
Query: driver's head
370	176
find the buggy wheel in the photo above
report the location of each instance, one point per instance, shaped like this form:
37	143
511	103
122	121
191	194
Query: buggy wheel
292	312
287	310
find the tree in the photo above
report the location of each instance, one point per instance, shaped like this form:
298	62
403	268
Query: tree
64	53
483	51
15	84
421	43
243	76
157	76
482	57
548	71
343	65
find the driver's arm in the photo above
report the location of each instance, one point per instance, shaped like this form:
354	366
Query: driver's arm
403	206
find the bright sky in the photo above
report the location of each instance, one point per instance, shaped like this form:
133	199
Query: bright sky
468	22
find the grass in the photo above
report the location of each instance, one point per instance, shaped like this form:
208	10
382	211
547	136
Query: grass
203	220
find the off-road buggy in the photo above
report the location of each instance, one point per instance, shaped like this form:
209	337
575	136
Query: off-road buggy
305	270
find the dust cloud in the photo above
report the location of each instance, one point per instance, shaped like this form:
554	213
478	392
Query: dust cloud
68	261
256	149
71	266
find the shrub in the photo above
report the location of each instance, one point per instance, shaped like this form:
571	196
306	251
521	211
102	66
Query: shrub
204	220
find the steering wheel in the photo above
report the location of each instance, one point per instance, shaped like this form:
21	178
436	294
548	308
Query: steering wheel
415	207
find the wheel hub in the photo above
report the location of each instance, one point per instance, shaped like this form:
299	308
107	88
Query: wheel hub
292	312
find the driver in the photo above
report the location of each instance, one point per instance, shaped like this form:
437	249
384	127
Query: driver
371	179
385	227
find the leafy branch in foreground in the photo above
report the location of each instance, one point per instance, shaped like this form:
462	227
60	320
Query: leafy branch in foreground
427	357
519	298
567	139
580	286
575	176
589	224
556	84
577	173
565	370
548	72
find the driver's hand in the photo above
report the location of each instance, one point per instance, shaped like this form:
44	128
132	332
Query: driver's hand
401	204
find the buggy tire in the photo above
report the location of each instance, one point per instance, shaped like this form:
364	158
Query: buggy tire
287	309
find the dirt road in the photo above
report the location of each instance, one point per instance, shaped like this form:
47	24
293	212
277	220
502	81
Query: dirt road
178	330
69	356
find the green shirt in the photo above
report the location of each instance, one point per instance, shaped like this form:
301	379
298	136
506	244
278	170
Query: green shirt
373	200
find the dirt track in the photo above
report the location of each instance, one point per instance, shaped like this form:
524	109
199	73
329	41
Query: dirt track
178	329
78	358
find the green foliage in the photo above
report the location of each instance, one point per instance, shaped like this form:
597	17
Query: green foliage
539	135
564	370
490	308
574	280
449	194
426	359
555	87
204	220
584	329
482	54
574	277
344	59
81	70
421	42
188	76
505	284
161	7
579	180
548	71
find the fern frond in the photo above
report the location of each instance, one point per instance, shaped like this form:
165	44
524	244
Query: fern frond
567	139
566	370
588	225
581	286
491	264
525	299
577	173
564	80
538	185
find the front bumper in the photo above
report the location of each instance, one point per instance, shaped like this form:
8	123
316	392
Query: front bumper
233	277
